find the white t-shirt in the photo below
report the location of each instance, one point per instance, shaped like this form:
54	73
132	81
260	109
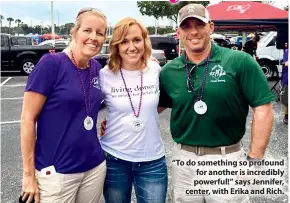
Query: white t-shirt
119	139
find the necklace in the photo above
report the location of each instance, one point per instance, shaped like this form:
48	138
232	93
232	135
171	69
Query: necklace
200	106
88	121
137	124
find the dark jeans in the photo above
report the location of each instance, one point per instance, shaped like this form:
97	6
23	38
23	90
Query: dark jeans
150	180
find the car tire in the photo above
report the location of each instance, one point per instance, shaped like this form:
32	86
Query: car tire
27	65
268	68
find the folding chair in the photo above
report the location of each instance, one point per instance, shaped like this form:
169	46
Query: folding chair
277	87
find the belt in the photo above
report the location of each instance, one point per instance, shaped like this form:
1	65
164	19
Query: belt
200	151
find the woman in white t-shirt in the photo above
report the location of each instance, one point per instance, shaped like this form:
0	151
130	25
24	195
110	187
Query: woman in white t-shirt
133	147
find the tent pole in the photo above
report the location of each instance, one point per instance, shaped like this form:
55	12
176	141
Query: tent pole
244	39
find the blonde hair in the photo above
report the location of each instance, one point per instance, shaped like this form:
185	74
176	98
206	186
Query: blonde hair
80	16
119	33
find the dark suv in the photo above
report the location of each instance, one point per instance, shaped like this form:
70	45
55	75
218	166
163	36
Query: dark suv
167	44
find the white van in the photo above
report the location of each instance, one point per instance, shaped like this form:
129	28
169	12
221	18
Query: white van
269	57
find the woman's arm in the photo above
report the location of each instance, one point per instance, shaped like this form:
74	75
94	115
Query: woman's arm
32	105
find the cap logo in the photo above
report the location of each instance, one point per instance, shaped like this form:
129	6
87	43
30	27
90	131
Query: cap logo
190	9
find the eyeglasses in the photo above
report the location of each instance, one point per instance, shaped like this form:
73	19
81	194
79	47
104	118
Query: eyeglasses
190	85
83	10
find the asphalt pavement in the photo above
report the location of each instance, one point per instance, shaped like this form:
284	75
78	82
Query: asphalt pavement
12	87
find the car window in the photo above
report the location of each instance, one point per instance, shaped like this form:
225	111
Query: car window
50	44
163	40
272	42
3	41
22	41
60	43
13	41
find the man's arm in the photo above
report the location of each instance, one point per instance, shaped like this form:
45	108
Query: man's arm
261	130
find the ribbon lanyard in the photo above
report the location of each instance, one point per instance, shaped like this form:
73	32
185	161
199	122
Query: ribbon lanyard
204	76
200	106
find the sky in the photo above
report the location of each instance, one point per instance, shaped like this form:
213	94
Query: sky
39	12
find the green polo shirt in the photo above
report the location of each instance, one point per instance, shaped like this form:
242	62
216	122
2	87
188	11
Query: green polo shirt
234	82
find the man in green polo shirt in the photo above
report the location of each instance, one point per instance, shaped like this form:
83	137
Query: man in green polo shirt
209	89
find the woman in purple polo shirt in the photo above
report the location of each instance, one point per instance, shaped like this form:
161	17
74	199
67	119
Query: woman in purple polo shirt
284	96
62	157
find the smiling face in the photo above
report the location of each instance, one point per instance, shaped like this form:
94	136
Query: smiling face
90	36
195	34
132	48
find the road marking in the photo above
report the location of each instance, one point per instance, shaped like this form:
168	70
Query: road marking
3	83
12	98
16	77
20	85
10	122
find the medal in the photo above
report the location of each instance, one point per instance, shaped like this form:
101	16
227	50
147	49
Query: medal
137	125
88	123
200	107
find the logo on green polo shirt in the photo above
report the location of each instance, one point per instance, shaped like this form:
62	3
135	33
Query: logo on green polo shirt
216	73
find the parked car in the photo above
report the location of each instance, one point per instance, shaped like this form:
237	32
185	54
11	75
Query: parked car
168	44
104	54
268	56
19	40
55	43
22	58
160	56
222	41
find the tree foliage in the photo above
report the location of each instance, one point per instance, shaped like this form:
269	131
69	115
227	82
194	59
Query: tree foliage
160	9
167	29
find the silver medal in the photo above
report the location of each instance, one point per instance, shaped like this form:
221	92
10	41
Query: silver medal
200	107
88	123
137	125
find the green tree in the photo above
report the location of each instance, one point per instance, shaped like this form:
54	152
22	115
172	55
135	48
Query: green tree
160	9
18	21
68	27
10	20
26	29
62	29
37	29
286	8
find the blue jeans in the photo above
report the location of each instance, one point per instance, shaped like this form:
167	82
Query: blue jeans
150	180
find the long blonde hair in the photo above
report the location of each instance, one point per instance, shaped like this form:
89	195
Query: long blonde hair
119	33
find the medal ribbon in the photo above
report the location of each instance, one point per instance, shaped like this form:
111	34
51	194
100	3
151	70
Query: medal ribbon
87	103
204	76
141	88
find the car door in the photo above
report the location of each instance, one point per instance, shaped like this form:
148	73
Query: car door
5	53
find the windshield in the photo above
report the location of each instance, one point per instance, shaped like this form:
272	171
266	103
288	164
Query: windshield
267	37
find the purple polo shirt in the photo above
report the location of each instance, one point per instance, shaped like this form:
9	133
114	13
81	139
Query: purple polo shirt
285	68
62	140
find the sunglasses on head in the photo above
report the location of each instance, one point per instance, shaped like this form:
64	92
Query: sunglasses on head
83	10
189	86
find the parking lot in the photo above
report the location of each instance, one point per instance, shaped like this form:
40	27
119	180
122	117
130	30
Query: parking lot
12	88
